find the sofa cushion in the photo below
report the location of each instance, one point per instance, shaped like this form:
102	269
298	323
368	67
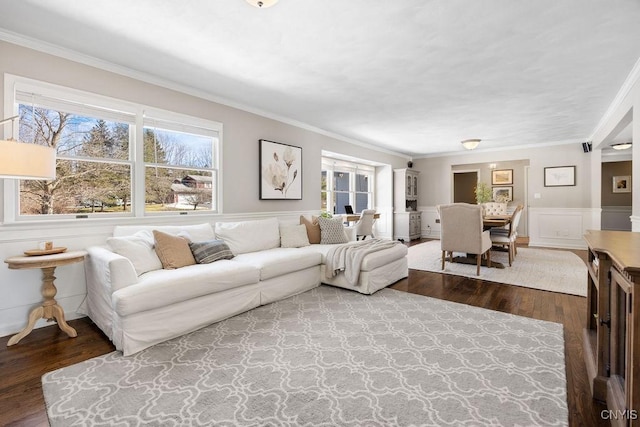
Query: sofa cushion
249	236
278	261
137	248
370	261
313	228
210	251
173	251
161	288
332	231
196	233
293	236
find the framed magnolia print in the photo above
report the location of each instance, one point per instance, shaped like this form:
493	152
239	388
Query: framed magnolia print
622	184
560	176
502	177
502	194
280	171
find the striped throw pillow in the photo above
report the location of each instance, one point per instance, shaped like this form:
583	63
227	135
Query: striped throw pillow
210	251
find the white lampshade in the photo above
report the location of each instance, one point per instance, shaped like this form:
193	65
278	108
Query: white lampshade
621	146
27	161
470	144
262	4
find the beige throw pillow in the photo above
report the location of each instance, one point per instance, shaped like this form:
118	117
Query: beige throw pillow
173	251
313	228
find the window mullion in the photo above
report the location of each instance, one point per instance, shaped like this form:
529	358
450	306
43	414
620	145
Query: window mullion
138	170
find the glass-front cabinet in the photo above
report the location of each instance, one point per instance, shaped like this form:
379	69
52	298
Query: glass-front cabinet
407	218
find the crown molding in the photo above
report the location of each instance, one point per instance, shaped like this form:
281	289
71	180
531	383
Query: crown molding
625	89
51	49
501	149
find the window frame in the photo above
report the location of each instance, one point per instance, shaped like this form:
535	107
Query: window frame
331	166
87	102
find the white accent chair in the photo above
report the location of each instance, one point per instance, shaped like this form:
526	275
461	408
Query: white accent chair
494	208
507	236
461	230
364	226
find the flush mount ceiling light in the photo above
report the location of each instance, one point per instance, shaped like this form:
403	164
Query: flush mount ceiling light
262	4
621	146
470	144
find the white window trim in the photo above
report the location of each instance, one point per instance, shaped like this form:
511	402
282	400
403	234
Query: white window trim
14	84
333	165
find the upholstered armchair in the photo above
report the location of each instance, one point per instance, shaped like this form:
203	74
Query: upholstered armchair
494	208
461	231
364	226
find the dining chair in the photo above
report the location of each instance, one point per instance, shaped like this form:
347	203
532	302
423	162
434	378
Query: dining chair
494	208
364	226
507	236
461	230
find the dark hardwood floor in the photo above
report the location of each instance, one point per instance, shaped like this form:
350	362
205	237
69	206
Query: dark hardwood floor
46	349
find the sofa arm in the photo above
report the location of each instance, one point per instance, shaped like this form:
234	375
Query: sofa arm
108	270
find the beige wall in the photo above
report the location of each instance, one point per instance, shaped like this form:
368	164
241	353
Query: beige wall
609	170
436	184
242	129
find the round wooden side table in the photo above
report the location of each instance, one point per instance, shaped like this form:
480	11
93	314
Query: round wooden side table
49	309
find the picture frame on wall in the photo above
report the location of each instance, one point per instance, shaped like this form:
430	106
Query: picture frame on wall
502	194
560	176
622	184
502	177
280	171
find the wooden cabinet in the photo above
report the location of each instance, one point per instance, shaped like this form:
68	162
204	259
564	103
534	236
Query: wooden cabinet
612	333
407	225
407	221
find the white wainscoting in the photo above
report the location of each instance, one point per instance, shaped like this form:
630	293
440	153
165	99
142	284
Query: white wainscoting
430	228
20	289
616	218
384	225
561	227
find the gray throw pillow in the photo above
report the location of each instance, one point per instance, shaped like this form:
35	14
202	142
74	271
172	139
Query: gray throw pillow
210	251
332	231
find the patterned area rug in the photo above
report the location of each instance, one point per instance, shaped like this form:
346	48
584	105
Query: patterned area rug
330	357
545	269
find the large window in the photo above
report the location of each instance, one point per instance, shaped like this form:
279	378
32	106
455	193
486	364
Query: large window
346	183
113	158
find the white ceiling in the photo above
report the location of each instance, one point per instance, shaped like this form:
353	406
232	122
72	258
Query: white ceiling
413	76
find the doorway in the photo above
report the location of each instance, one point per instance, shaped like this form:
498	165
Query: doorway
464	184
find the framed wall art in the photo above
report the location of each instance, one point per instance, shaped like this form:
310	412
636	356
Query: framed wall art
502	177
502	194
560	176
622	184
280	171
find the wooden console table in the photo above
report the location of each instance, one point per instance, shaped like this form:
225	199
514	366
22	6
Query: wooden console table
612	333
49	309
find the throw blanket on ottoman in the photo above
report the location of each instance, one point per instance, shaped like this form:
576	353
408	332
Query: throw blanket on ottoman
348	258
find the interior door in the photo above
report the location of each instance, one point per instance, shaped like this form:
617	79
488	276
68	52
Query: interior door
464	184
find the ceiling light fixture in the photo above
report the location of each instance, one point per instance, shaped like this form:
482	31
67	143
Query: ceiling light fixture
470	144
26	161
622	146
262	4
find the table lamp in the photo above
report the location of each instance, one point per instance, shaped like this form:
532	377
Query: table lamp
26	161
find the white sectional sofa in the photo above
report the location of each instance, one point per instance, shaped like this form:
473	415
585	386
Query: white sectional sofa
137	309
